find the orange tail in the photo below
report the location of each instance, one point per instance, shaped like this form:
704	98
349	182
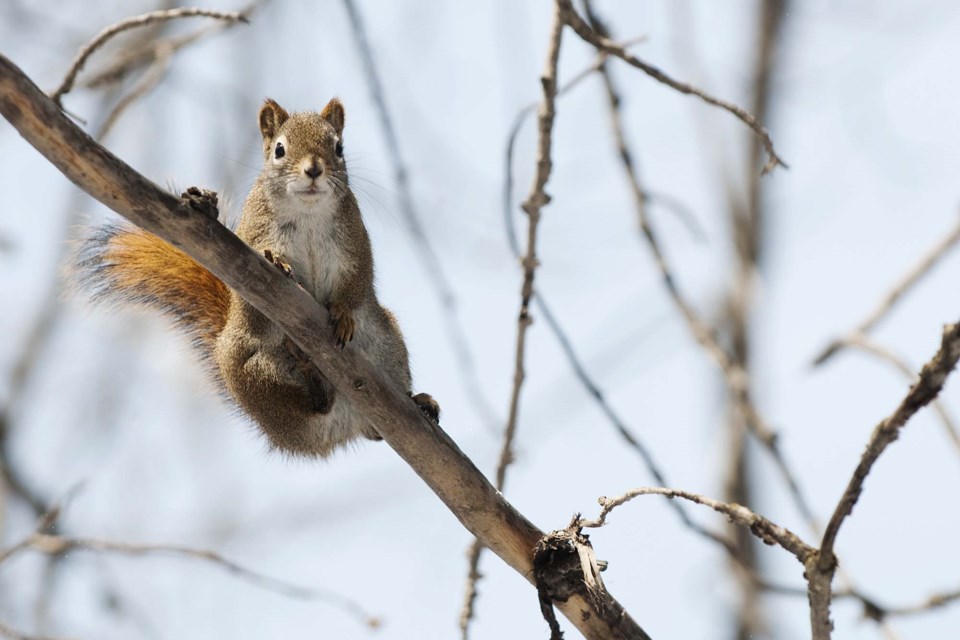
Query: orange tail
128	265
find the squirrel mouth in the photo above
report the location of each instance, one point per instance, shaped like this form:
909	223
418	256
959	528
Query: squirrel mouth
312	190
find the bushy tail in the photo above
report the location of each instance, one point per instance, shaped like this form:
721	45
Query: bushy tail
121	265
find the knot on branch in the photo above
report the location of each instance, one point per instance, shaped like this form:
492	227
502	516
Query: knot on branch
873	611
763	529
558	566
535	202
564	565
51	545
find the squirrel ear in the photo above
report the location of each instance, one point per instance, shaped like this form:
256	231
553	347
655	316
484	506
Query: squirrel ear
272	117
333	113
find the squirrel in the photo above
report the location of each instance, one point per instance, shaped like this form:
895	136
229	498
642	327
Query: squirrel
303	217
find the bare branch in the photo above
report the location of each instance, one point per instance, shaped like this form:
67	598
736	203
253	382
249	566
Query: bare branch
762	528
747	218
148	53
11	633
130	23
871	608
424	446
933	602
572	18
903	286
56	545
735	376
470	592
153	76
821	568
932	378
563	339
537	199
640	198
13	550
864	343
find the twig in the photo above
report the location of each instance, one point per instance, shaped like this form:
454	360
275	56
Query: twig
933	602
932	378
11	633
426	448
907	282
44	539
600	65
864	343
572	18
130	23
518	121
57	545
747	221
154	74
759	526
540	301
871	608
736	378
470	592
537	199
473	387
147	53
13	550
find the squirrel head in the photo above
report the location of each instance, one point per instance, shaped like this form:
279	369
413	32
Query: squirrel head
303	152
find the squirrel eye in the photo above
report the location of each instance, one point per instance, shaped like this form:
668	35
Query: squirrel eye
279	152
339	149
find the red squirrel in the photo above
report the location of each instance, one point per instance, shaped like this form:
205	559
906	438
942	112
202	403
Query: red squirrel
302	215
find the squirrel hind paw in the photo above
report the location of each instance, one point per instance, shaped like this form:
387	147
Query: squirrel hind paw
428	406
202	201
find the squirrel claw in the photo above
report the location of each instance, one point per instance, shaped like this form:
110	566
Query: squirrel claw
278	263
344	325
428	406
202	201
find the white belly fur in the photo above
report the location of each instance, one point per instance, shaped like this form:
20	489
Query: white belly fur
318	263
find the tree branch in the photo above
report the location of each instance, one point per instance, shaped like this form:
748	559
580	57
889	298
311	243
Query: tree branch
932	378
537	199
762	528
131	23
821	568
867	345
572	18
58	545
916	273
424	446
12	634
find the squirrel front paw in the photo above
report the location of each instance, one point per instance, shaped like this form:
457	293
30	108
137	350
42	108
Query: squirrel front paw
428	406
276	261
344	325
203	201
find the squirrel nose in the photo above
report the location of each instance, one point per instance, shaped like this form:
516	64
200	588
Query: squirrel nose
314	170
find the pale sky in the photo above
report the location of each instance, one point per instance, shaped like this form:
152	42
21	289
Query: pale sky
864	111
